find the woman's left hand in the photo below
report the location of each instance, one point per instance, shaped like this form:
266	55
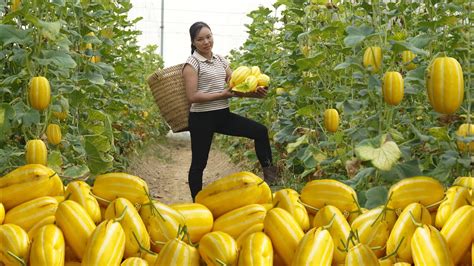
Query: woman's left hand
261	91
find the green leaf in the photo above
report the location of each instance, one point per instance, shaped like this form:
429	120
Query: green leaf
6	114
63	42
417	75
326	32
100	143
442	172
376	196
98	160
284	135
105	67
421	136
300	141
422	40
319	156
10	34
350	62
358	134
398	46
374	82
282	2
58	2
360	178
308	160
304	91
99	123
396	135
59	58
308	111
307	172
95	78
275	65
55	161
343	65
408	169
31	117
390	177
440	133
19	56
310	62
9	157
319	2
357	34
304	36
466	162
76	171
92	39
50	30
351	106
447	161
383	157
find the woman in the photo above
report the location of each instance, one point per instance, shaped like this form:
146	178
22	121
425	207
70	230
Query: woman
205	77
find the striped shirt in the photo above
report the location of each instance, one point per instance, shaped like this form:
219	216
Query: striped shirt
211	79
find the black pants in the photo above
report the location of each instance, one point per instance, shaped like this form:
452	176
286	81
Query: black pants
203	125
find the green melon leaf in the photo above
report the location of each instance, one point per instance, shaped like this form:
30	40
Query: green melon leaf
300	141
383	157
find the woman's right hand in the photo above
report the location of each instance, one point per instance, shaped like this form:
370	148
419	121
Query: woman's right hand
227	93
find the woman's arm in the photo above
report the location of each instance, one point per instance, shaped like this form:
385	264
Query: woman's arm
193	94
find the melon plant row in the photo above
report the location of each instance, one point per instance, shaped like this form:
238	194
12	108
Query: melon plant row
39	96
73	83
363	92
236	220
444	82
445	87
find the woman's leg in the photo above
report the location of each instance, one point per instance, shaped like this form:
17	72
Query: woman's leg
236	125
201	127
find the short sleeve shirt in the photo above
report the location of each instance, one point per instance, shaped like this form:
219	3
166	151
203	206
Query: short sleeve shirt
211	79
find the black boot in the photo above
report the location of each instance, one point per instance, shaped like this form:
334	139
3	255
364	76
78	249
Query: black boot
270	175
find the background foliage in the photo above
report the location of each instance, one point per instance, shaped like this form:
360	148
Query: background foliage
314	50
104	108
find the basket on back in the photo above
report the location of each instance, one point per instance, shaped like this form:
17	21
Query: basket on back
167	87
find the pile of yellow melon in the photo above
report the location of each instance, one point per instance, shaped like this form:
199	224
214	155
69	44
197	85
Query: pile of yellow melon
247	79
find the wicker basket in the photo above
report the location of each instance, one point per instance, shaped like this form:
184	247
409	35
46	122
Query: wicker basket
167	87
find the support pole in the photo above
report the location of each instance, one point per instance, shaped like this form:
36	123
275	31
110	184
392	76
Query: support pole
162	26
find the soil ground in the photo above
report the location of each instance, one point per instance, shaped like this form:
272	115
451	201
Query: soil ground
164	166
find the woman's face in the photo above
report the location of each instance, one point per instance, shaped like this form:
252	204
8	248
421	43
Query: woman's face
204	41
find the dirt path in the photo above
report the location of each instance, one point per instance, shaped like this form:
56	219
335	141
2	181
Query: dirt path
164	166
